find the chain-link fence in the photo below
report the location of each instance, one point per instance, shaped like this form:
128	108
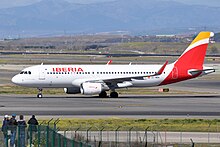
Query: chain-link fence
37	136
145	138
45	136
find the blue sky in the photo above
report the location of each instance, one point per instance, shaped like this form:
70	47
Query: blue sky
13	3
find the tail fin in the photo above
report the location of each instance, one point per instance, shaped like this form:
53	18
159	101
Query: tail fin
190	63
193	57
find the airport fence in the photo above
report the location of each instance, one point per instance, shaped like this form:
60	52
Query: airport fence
147	138
94	136
38	136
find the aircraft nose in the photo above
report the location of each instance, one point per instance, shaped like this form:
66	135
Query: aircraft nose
16	79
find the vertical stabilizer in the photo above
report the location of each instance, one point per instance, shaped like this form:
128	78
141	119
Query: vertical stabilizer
191	61
193	57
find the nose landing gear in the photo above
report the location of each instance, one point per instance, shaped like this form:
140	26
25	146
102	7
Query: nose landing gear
40	95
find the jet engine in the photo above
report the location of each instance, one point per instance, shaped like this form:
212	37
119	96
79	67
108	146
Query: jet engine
91	88
72	90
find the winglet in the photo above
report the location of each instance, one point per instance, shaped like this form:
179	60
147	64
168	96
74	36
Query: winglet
109	62
162	68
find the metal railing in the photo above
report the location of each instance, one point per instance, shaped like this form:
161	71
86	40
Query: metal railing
37	136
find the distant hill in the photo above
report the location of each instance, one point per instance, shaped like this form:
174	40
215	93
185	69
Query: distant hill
136	16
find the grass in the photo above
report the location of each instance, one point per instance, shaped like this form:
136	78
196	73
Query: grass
191	125
111	124
9	89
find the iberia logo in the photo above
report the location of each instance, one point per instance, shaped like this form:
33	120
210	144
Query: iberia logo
67	69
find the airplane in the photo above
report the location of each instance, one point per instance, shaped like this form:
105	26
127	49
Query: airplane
97	79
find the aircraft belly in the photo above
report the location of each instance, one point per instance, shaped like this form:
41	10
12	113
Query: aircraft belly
146	83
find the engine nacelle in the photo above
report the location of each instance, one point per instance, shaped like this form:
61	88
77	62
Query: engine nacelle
91	88
72	90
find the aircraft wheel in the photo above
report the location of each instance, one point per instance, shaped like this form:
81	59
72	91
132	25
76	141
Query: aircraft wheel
114	94
103	94
40	95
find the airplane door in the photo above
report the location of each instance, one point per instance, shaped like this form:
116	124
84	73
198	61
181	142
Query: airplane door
42	74
175	73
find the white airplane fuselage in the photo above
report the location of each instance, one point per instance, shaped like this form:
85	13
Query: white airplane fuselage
60	76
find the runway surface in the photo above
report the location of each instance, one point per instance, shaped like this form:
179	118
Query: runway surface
205	105
184	106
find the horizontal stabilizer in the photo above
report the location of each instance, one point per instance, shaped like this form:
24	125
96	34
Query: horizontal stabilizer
205	71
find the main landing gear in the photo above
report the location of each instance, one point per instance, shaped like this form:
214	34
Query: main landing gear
103	94
113	94
40	95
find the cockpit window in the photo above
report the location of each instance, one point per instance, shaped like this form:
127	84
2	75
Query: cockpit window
25	72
